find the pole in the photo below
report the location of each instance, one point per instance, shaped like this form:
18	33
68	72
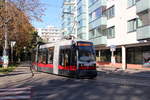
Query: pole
12	54
5	52
124	64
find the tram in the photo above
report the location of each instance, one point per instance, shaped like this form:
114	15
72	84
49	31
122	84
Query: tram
72	58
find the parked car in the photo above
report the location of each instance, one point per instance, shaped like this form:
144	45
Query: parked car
147	64
1	60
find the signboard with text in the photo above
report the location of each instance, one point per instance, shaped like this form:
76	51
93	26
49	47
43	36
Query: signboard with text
112	48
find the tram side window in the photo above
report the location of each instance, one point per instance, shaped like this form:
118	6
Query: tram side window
61	58
33	57
65	56
74	58
50	56
42	56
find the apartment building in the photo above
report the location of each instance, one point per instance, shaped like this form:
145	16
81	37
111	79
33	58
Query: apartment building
120	31
50	34
82	19
125	31
69	17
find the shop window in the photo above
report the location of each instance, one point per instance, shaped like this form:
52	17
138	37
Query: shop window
105	56
118	55
134	55
146	54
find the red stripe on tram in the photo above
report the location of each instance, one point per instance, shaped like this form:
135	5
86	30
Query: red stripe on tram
45	65
72	68
34	63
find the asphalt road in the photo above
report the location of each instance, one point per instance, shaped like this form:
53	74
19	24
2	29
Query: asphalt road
43	86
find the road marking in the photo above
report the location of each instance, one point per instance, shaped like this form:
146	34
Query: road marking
15	93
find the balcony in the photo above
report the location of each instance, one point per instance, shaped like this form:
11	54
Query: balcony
96	5
98	22
143	33
82	30
99	40
142	5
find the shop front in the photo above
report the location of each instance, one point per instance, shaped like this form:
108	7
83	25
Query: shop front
136	57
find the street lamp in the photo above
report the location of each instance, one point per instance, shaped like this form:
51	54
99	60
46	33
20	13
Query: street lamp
24	53
5	50
12	43
74	26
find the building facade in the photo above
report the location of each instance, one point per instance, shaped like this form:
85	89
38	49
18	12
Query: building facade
120	31
50	34
127	32
69	17
82	19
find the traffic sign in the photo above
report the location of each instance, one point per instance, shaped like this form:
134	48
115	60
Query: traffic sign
112	48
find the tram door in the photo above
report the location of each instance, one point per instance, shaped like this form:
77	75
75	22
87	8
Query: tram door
56	59
65	59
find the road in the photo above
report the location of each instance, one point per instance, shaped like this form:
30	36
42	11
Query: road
20	85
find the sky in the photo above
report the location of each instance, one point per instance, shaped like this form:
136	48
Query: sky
52	15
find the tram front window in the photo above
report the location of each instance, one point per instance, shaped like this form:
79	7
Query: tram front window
86	54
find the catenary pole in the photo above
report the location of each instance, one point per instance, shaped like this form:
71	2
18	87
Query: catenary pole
5	50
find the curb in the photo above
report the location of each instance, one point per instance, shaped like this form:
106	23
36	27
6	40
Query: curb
135	73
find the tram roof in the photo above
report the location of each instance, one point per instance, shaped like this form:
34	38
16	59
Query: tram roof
61	43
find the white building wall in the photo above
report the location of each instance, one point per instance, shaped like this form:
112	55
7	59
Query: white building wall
50	34
122	15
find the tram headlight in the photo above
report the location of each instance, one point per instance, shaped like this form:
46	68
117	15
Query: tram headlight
81	65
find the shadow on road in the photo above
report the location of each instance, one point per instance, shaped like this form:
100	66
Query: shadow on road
125	74
52	87
84	89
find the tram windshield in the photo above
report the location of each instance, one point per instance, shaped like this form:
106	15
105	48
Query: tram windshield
86	53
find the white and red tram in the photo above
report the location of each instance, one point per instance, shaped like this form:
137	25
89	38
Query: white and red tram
73	58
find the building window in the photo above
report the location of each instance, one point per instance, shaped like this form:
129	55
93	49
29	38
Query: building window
98	12
91	2
80	23
92	33
95	14
79	10
90	17
111	32
100	31
144	19
110	12
131	3
132	25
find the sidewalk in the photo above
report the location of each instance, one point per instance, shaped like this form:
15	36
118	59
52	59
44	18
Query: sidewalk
118	71
21	74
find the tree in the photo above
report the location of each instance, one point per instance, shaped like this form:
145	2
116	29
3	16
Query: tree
17	17
34	9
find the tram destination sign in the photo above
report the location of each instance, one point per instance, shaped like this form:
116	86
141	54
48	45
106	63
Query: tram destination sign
84	44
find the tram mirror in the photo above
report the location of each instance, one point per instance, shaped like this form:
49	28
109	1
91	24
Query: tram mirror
73	46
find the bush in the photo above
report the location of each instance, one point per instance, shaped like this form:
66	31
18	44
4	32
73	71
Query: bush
9	69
